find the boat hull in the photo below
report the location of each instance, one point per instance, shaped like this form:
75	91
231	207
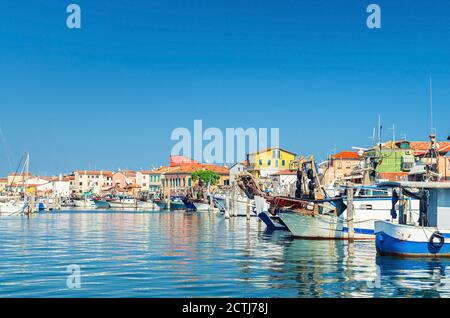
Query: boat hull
101	204
12	208
319	226
409	241
173	205
84	204
272	222
123	205
201	206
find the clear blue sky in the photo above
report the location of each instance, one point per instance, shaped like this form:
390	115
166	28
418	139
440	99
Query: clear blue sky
108	96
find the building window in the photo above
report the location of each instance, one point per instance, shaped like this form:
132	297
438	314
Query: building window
276	163
260	162
283	163
269	162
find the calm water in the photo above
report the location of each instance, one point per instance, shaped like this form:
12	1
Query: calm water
180	254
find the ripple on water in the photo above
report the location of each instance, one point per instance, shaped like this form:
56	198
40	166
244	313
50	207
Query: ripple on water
180	254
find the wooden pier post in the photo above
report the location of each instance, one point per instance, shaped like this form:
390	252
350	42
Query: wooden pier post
234	201
168	200
227	204
350	214
211	201
248	208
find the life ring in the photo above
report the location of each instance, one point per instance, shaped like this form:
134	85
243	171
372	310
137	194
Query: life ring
437	245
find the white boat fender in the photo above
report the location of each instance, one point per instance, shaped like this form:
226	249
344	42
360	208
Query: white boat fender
437	240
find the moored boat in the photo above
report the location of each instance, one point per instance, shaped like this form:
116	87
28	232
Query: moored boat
85	203
429	236
13	207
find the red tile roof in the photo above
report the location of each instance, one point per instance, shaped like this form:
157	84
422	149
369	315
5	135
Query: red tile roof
346	155
180	160
190	168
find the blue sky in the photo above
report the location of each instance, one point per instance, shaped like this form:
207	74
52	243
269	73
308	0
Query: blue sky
108	96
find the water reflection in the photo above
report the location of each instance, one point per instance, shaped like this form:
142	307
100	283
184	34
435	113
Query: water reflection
182	254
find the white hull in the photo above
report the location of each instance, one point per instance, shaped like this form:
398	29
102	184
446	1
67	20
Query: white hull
131	204
323	226
12	208
149	205
123	205
200	206
84	204
407	240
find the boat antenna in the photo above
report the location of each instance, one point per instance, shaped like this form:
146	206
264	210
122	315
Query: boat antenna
432	129
379	131
393	134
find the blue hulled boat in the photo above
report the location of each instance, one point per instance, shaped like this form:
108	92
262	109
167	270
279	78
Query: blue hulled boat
429	236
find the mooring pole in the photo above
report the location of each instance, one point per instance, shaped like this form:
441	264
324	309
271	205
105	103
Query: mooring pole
168	199
234	200
350	214
227	204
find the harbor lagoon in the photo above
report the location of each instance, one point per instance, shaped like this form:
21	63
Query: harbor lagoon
193	254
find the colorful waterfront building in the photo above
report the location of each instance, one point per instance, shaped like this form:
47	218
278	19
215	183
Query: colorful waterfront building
88	180
154	185
180	177
265	162
341	166
393	160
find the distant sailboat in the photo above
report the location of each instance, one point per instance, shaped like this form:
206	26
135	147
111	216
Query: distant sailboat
17	204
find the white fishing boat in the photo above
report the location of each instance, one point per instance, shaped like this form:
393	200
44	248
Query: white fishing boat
201	206
262	210
425	236
239	206
85	203
124	202
147	205
13	207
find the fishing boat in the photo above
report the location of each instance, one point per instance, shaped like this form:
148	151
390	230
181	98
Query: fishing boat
13	207
123	202
272	222
176	203
312	214
427	236
238	206
147	205
85	203
101	204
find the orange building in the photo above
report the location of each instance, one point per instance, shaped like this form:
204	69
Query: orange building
340	166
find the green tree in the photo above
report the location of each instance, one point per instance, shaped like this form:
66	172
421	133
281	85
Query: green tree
206	177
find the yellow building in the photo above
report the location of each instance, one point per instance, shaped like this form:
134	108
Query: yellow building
268	161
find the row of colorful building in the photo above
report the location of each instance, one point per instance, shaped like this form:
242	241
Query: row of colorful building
394	161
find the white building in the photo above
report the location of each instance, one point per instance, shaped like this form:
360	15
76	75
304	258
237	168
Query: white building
283	181
143	180
94	181
236	170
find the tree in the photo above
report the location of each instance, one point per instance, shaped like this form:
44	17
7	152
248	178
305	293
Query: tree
206	177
